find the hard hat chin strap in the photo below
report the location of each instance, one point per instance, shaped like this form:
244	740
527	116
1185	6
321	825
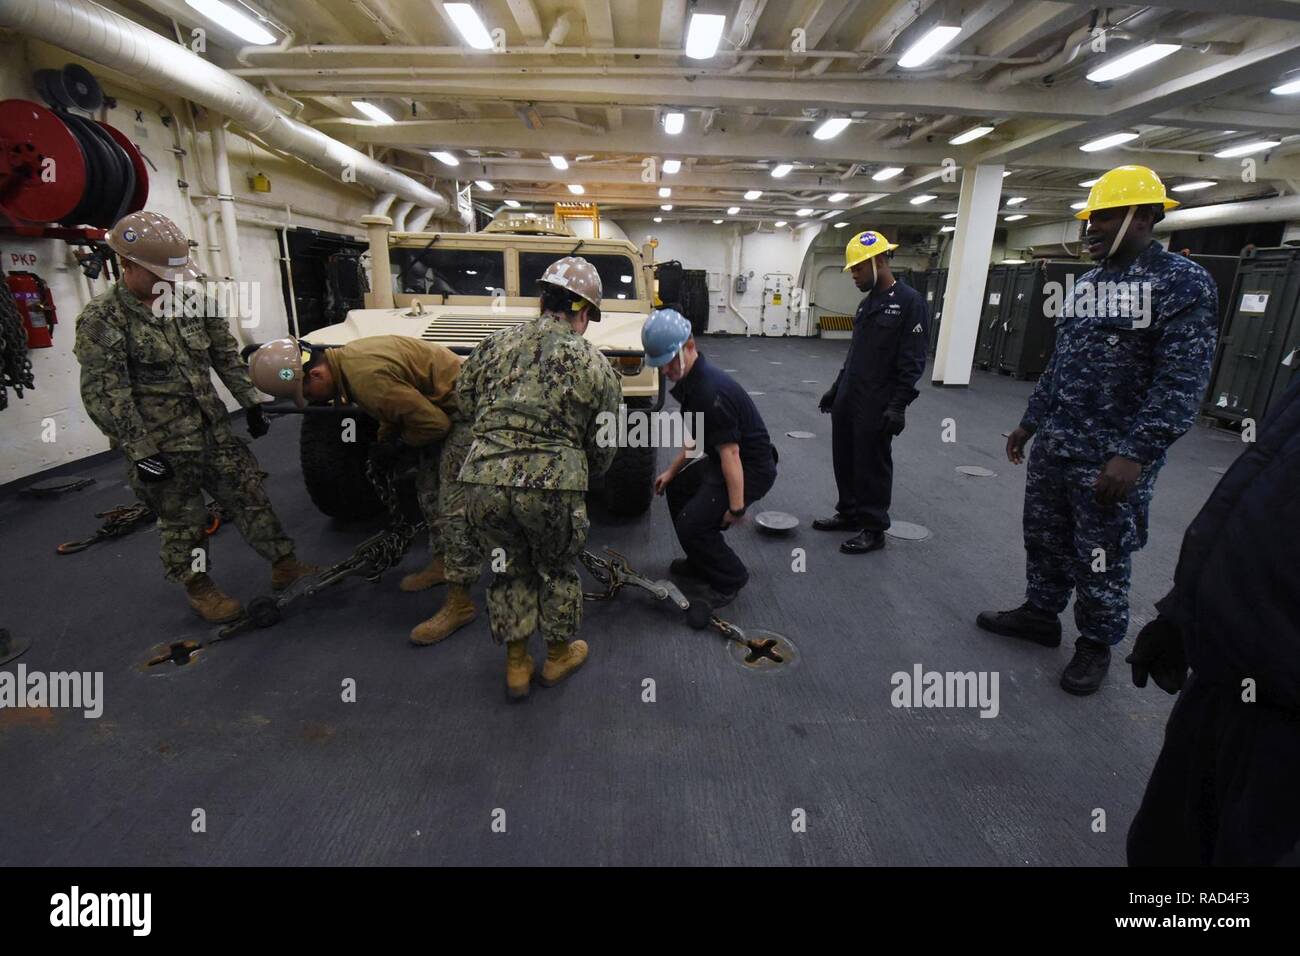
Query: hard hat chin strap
1123	230
873	273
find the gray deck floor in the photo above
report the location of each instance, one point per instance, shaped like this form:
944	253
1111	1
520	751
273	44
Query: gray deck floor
258	737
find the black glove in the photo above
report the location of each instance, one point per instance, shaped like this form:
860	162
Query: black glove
893	421
384	454
258	424
828	400
153	469
1158	652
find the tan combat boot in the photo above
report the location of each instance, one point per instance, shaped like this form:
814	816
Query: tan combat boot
456	611
211	605
562	659
435	573
289	569
519	669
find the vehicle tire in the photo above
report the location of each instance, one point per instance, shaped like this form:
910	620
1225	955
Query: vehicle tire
334	470
628	486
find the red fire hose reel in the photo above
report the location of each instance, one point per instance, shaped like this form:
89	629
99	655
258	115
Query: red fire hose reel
58	167
36	306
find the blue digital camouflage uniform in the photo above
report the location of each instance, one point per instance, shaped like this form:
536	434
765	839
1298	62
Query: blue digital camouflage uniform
1121	381
146	382
535	393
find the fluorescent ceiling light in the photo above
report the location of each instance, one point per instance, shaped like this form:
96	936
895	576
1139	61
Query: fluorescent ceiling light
469	25
372	111
1286	89
889	172
717	222
840	225
1133	60
837	197
974	133
1016	200
920	52
732	210
667	207
242	26
949	215
1081	204
622	295
947	228
922	199
704	34
1007	172
444	157
780	169
1014	262
779	223
805	212
512	203
484	185
664	192
1106	142
672	165
1245	149
1191	187
659	218
673	123
625	279
559	162
753	194
1089	183
831	128
1019	215
576	189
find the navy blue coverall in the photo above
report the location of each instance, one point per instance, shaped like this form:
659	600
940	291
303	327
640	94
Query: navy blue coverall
886	357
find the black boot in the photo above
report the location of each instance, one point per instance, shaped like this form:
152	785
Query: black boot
1084	674
867	541
837	522
684	568
716	598
1026	622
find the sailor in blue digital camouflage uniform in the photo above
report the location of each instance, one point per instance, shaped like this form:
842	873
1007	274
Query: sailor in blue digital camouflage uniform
1134	342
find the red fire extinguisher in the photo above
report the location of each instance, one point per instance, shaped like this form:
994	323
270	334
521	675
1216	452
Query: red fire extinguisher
32	296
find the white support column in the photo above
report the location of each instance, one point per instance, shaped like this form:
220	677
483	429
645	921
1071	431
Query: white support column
977	218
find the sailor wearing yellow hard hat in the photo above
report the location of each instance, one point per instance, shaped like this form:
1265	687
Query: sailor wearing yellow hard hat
875	385
1124	382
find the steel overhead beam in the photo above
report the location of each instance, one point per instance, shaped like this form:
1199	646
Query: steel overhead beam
672	21
1250	66
787	95
526	18
506	169
1209	117
505	134
1267	9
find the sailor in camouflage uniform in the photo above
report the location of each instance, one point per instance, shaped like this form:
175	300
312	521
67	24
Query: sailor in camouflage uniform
535	393
1134	342
146	362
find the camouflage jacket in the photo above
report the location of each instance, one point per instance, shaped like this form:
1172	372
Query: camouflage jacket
1131	363
146	380
535	393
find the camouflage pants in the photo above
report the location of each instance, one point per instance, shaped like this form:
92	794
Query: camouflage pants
1072	543
227	471
442	500
539	534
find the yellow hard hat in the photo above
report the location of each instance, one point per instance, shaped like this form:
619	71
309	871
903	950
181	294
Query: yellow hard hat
1126	186
865	245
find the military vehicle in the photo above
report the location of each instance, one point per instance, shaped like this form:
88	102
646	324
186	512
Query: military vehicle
457	288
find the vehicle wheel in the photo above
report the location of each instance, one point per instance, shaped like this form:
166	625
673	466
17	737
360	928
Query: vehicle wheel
334	470
628	487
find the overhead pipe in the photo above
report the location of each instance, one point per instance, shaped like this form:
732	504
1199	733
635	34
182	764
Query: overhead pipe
382	204
1273	209
113	41
226	202
399	216
420	221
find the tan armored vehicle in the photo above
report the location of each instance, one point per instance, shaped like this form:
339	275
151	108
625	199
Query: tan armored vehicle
457	288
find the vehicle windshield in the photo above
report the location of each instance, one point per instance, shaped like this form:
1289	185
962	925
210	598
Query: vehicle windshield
617	273
434	271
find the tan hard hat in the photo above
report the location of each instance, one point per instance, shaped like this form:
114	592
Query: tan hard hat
154	242
578	276
276	368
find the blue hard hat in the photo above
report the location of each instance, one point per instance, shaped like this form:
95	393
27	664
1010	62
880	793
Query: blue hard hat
663	335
